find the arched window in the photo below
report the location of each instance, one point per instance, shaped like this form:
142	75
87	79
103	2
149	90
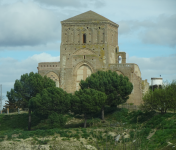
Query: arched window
120	59
84	38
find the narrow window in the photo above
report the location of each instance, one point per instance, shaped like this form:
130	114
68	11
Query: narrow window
53	65
84	38
120	59
87	27
84	57
99	27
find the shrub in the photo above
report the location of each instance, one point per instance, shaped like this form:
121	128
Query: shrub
56	121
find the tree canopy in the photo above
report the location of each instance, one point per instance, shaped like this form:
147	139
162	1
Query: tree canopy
160	99
26	88
87	102
50	100
116	87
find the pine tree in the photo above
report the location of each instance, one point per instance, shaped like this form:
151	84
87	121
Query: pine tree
116	87
87	102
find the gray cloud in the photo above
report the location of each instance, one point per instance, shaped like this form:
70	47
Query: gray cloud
27	24
62	3
72	3
161	31
54	46
156	66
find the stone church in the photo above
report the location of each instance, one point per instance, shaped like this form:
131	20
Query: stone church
89	43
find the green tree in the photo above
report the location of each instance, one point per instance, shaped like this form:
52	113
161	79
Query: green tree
160	99
87	102
171	90
26	88
50	100
116	87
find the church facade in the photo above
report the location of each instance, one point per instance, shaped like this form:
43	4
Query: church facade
89	43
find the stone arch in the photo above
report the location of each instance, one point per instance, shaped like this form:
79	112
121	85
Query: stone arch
52	75
81	72
86	49
119	72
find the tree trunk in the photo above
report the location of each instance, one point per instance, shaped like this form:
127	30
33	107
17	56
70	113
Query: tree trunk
29	123
85	117
102	113
165	110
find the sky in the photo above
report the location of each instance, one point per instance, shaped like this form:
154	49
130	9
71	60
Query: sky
30	32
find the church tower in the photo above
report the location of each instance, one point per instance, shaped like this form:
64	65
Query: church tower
89	42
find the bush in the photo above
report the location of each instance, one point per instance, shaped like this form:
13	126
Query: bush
120	115
56	121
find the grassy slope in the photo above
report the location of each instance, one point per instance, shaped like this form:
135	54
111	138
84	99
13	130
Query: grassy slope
139	126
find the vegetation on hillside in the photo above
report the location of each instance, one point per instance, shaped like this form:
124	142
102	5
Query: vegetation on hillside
58	117
160	99
137	129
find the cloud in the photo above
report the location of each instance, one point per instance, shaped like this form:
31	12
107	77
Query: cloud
72	3
17	68
62	3
24	24
53	46
156	66
161	31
